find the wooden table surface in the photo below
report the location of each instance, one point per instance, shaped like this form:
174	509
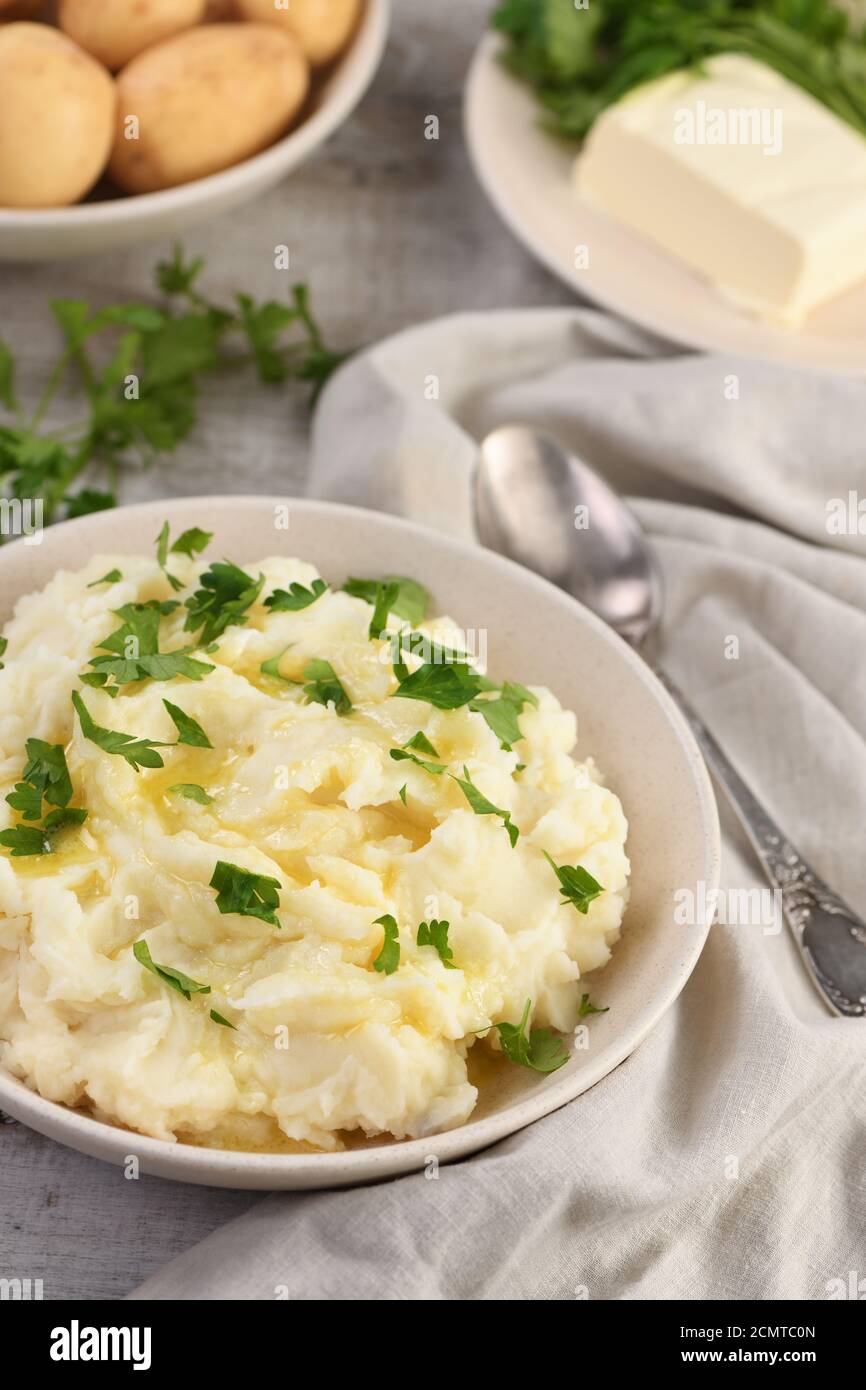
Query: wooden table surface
389	229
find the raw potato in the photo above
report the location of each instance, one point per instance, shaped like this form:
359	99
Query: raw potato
203	101
19	9
56	118
322	27
115	32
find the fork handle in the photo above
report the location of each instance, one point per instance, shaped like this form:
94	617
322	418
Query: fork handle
831	939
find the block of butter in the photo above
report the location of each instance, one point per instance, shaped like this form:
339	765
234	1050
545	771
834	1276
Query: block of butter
743	176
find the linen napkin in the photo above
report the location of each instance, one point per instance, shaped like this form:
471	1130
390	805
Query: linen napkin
725	1157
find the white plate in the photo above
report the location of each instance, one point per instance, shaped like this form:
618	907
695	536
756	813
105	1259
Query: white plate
526	173
537	634
55	233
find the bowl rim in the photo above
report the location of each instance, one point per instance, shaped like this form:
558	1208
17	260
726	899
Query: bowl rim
222	1167
357	65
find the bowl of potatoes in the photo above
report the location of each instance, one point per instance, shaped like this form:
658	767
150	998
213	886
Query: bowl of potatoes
122	121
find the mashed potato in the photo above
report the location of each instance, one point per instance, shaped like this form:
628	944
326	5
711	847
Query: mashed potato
323	1039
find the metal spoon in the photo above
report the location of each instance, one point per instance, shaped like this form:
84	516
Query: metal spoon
527	489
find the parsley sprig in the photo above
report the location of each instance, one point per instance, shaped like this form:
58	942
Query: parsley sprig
388	959
482	807
133	654
539	1048
581	59
577	884
410	602
420	742
140	752
296	597
45	778
139	368
246	893
224	598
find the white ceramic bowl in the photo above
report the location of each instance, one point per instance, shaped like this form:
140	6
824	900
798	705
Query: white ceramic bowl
535	634
54	233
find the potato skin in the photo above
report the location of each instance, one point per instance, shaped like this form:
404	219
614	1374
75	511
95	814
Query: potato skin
115	32
19	9
56	118
205	100
322	27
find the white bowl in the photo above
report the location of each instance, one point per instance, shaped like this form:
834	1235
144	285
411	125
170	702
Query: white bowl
535	634
50	233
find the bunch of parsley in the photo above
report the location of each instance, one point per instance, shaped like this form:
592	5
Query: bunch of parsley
139	367
581	60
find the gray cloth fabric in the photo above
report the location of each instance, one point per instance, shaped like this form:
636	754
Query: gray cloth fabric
725	1157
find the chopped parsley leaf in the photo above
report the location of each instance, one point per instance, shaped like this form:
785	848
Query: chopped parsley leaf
578	885
587	1008
541	1050
245	893
189	731
435	934
192	791
388	958
174	978
387	593
271	667
482	807
226	594
218	1018
296	597
113	577
324	688
138	752
411	600
424	745
502	712
134	653
444	685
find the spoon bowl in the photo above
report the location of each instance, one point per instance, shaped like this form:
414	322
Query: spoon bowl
547	510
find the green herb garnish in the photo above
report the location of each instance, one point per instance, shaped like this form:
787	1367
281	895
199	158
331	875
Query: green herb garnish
324	688
174	978
420	742
482	807
435	934
138	752
540	1049
188	730
45	777
580	60
192	791
112	577
587	1008
503	711
578	885
388	958
271	667
4	643
443	685
134	655
138	368
296	597
224	598
245	893
218	1018
410	602
190	543
387	593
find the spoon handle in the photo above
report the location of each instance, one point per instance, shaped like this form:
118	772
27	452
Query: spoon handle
831	939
